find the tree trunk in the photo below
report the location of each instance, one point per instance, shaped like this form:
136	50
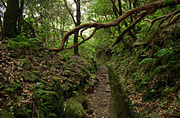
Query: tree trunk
20	17
78	22
120	8
10	18
130	7
2	32
76	50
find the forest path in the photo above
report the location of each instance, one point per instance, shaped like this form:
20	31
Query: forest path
99	100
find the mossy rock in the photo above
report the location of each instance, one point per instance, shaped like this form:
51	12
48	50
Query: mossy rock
25	64
5	114
29	77
74	109
79	97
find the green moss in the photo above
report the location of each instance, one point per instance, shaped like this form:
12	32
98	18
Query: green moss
29	77
5	114
91	84
74	109
25	64
65	87
50	103
80	97
38	73
38	85
14	87
93	76
85	73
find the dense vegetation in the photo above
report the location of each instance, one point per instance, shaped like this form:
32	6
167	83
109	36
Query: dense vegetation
49	49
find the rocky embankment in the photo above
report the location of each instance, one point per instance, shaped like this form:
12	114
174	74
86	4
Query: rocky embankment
37	83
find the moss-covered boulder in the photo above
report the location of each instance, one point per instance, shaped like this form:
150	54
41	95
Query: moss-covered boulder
80	97
74	109
5	114
29	76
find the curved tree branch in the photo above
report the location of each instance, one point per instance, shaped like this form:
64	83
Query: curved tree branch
149	9
173	20
83	40
162	17
120	37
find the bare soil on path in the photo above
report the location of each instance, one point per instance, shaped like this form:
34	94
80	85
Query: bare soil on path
98	101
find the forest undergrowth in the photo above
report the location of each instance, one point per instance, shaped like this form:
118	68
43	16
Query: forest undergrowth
38	83
40	76
149	74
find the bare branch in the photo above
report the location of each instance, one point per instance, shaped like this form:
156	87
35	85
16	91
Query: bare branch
70	12
162	21
159	18
148	20
173	20
120	37
83	40
31	27
116	12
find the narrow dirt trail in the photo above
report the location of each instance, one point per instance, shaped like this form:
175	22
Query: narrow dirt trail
99	100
